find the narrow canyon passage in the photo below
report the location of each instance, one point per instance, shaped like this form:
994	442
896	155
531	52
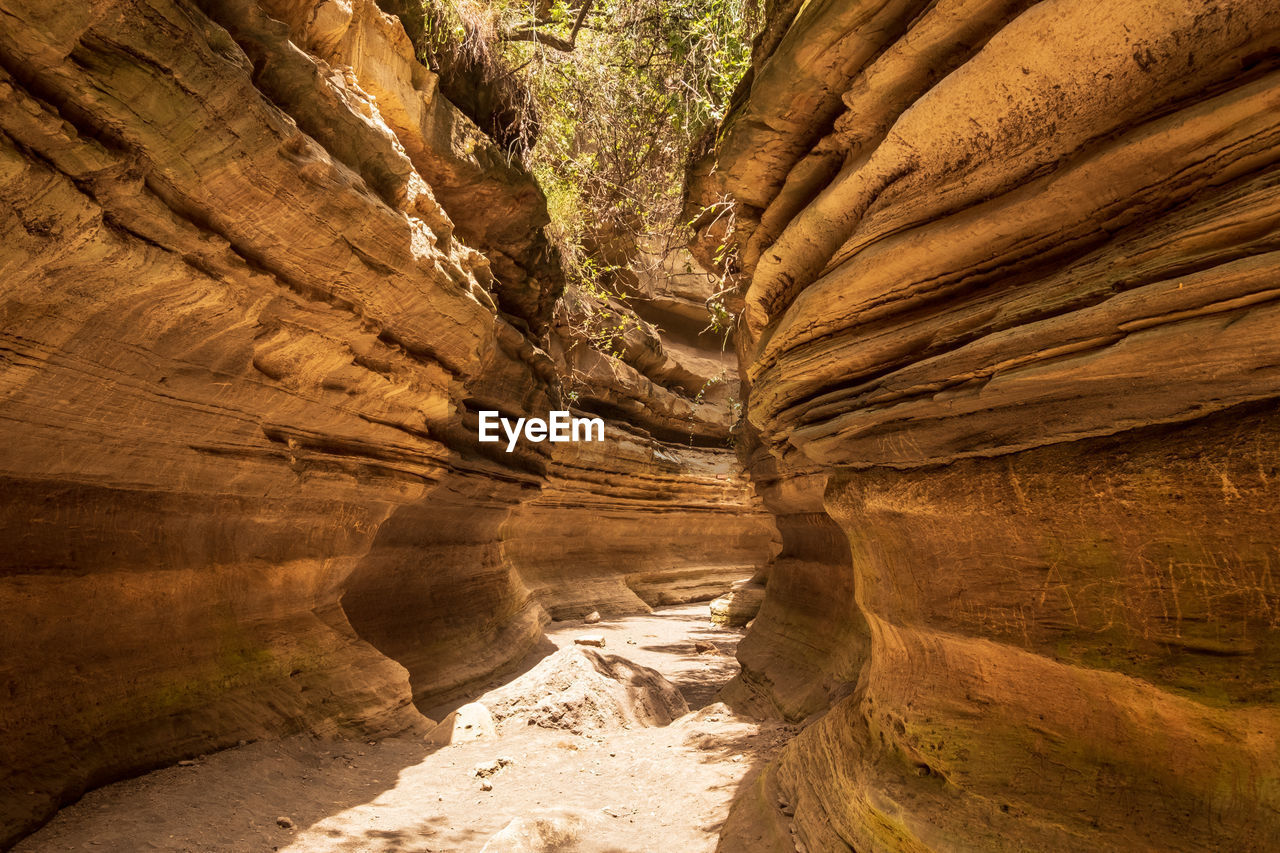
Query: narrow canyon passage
597	782
938	341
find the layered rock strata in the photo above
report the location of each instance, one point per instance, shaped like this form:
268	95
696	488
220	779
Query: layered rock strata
700	530
258	278
809	641
648	359
1007	278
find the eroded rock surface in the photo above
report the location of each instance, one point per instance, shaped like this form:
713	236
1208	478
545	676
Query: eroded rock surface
258	277
1007	286
1007	280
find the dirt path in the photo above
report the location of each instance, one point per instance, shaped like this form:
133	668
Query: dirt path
646	789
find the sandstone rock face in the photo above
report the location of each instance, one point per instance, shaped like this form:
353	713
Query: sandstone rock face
257	277
1007	279
645	537
809	640
665	515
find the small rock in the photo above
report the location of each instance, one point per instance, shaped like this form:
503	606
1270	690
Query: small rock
586	692
705	647
593	617
631	642
739	606
284	822
596	640
546	830
186	762
488	768
486	785
470	722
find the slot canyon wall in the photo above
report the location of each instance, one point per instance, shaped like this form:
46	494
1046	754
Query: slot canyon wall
257	278
1008	290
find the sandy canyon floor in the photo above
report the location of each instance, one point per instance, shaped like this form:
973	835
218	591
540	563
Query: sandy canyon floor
632	790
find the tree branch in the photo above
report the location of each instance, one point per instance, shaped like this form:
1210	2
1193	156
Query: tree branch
530	32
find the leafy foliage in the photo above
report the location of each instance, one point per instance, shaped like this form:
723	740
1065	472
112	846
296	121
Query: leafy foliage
621	111
617	92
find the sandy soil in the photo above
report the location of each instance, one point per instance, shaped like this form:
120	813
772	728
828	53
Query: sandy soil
633	791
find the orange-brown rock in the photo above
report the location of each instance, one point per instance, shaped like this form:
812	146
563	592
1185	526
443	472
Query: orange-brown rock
257	277
1007	272
809	640
645	536
737	607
